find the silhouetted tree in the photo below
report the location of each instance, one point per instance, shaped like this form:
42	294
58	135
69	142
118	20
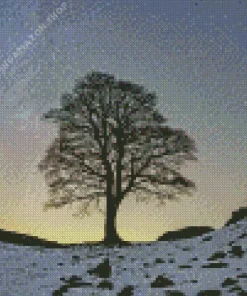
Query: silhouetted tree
113	141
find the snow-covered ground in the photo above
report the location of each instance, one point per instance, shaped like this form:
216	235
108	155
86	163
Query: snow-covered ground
216	262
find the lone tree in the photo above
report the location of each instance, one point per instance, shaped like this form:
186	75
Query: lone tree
112	142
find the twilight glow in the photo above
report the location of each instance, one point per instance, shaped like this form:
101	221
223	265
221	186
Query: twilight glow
191	53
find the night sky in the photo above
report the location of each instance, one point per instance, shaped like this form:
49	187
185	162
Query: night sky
193	54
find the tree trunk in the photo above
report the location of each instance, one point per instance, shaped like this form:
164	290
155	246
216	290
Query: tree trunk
111	235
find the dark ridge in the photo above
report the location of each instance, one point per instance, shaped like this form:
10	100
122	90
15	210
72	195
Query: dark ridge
187	232
27	240
237	215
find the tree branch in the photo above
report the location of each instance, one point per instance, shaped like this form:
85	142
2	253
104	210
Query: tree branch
91	170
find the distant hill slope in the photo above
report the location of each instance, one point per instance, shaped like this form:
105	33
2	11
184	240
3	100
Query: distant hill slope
26	240
187	232
237	215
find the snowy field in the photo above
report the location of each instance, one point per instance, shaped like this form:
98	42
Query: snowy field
213	264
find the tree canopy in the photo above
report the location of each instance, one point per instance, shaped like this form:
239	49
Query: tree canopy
113	141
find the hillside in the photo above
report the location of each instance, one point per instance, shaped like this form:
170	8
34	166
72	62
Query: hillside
188	232
26	240
237	215
211	264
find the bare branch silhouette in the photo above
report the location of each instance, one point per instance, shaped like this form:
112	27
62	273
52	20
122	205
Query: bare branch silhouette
112	142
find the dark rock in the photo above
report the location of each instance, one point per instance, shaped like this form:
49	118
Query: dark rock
73	282
161	282
237	251
76	258
215	265
242	293
207	238
120	257
186	249
209	293
174	293
105	285
229	282
159	260
237	289
194	281
194	259
243	235
127	291
188	232
72	279
85	284
103	270
217	255
60	291
242	276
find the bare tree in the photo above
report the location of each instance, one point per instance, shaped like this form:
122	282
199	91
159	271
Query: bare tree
112	142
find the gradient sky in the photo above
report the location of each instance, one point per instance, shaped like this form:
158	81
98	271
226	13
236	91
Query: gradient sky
192	53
